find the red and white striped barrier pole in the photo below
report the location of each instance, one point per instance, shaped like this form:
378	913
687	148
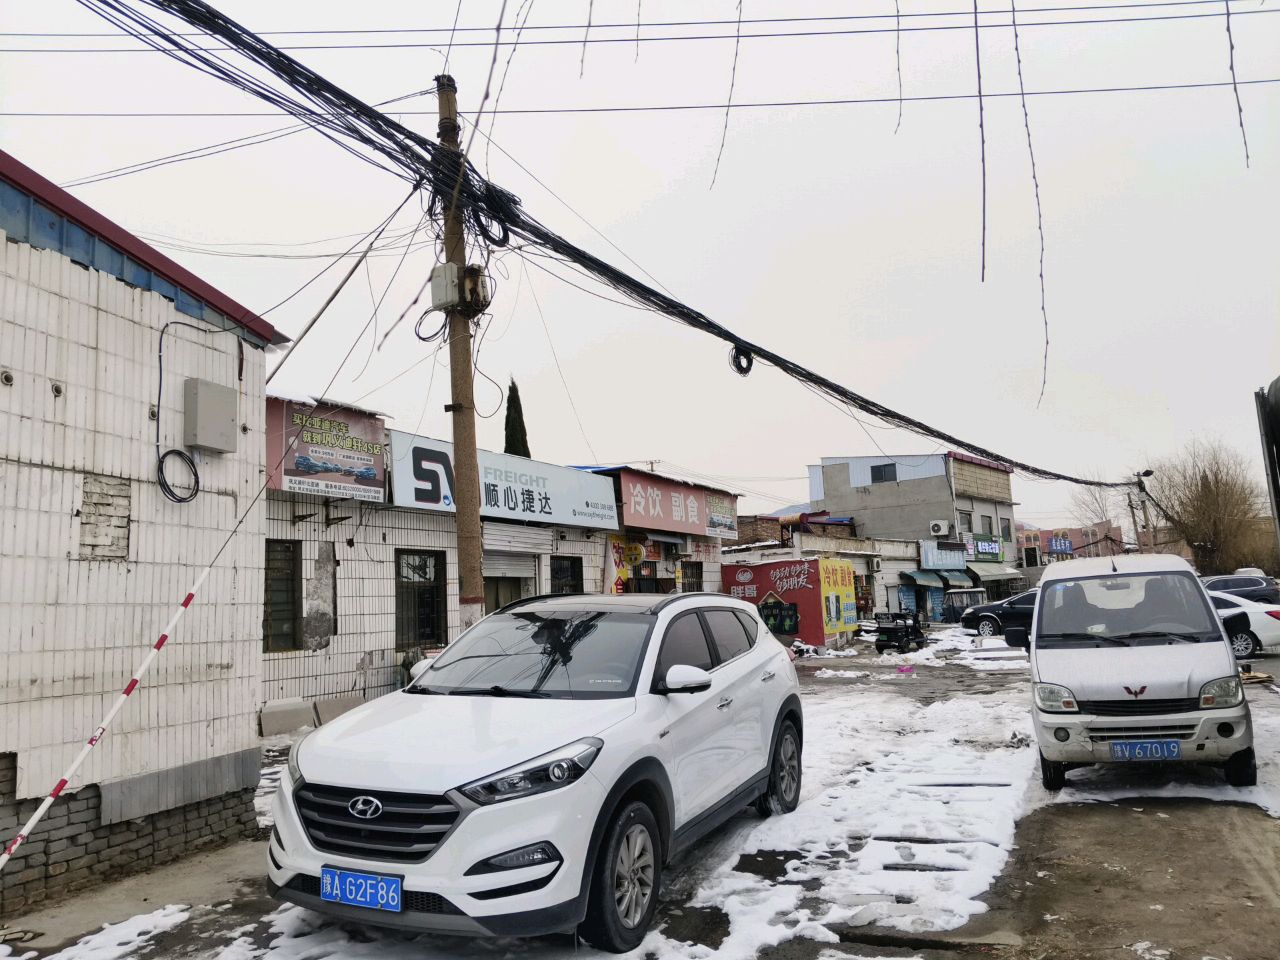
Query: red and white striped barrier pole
92	742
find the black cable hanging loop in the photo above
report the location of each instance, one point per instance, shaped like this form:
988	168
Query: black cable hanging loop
741	360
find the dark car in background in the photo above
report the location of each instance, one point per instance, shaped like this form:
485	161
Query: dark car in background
307	465
990	619
1258	588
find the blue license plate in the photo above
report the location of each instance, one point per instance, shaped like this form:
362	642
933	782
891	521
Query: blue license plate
370	890
1146	750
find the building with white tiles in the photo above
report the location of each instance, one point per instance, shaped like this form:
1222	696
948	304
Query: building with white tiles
94	557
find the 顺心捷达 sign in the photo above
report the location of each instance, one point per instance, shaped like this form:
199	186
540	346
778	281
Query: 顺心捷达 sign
511	488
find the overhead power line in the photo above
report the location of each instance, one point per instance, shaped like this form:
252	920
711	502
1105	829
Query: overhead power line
671	38
455	29
663	107
497	215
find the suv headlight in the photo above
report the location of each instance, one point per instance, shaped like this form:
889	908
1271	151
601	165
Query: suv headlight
295	771
1052	698
553	770
1220	693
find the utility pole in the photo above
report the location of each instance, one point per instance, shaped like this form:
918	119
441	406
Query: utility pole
466	470
1146	518
1133	515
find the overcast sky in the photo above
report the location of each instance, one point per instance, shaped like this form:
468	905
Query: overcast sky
827	236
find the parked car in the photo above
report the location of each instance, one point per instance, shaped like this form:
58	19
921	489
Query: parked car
1130	664
306	464
366	473
1261	633
537	775
1256	587
990	619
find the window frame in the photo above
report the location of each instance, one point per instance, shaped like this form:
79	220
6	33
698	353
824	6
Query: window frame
885	468
441	584
574	561
964	518
988	524
659	676
711	634
295	576
1006	530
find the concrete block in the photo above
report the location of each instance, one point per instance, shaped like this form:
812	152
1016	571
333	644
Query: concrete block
285	716
333	707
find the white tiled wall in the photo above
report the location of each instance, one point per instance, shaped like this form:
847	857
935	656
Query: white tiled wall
73	629
361	657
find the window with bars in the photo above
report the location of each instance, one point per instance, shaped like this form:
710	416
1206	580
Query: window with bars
282	596
566	575
690	576
421	604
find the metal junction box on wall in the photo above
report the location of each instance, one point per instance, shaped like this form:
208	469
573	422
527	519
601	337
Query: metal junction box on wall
209	416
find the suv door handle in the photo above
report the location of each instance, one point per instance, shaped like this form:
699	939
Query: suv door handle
724	704
767	676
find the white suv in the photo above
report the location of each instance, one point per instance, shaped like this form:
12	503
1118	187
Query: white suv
537	775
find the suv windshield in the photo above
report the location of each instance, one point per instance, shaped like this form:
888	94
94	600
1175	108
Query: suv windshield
1125	609
568	654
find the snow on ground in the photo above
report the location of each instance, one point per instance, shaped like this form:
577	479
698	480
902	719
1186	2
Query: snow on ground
826	674
129	937
275	761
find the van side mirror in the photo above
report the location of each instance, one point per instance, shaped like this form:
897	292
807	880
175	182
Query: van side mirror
1017	637
683	678
1236	623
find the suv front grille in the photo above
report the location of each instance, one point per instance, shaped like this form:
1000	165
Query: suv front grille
409	828
1138	708
1164	731
414	901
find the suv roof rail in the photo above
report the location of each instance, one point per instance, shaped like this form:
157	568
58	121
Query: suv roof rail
671	598
535	599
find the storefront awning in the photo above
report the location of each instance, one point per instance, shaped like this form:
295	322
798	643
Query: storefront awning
956	580
923	578
994	571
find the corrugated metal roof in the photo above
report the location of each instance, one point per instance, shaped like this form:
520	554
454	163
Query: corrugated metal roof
84	218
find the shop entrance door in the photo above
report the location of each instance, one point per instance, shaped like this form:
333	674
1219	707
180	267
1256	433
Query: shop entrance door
499	591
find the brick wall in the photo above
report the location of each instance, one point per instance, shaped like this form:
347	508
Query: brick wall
72	849
757	530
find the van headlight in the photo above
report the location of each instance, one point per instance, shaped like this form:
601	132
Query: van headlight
1052	698
553	770
1221	693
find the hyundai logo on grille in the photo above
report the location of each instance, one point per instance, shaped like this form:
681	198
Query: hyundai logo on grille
366	808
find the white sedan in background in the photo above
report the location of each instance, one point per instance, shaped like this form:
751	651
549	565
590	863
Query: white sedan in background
1263	635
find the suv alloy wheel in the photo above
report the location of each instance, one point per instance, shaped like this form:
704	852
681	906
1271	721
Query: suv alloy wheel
624	887
783	793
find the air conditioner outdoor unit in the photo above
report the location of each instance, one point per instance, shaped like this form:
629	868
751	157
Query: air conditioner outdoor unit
875	564
939	528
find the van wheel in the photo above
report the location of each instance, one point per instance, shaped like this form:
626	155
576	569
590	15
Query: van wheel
1053	774
624	888
1244	644
988	627
1242	769
783	792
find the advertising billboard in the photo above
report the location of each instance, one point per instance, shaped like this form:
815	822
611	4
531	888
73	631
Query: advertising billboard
809	600
511	488
656	503
336	452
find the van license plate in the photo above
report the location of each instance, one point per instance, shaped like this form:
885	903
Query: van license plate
1146	750
368	890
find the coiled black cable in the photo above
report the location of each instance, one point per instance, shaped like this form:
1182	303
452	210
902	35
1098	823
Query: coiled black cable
162	480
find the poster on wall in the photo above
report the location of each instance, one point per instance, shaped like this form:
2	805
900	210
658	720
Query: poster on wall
511	488
617	565
335	452
839	596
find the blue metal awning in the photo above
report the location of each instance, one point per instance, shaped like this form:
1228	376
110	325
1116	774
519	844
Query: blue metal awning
924	578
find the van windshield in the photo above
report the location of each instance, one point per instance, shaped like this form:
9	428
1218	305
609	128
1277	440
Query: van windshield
1124	610
565	654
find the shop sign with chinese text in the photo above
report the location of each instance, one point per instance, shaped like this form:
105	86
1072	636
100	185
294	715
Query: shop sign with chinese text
335	452
511	488
656	503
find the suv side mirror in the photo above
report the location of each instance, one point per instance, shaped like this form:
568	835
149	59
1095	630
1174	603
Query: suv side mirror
1236	623
419	668
683	678
1017	637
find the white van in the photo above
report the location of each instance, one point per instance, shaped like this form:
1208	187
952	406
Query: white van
1130	664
